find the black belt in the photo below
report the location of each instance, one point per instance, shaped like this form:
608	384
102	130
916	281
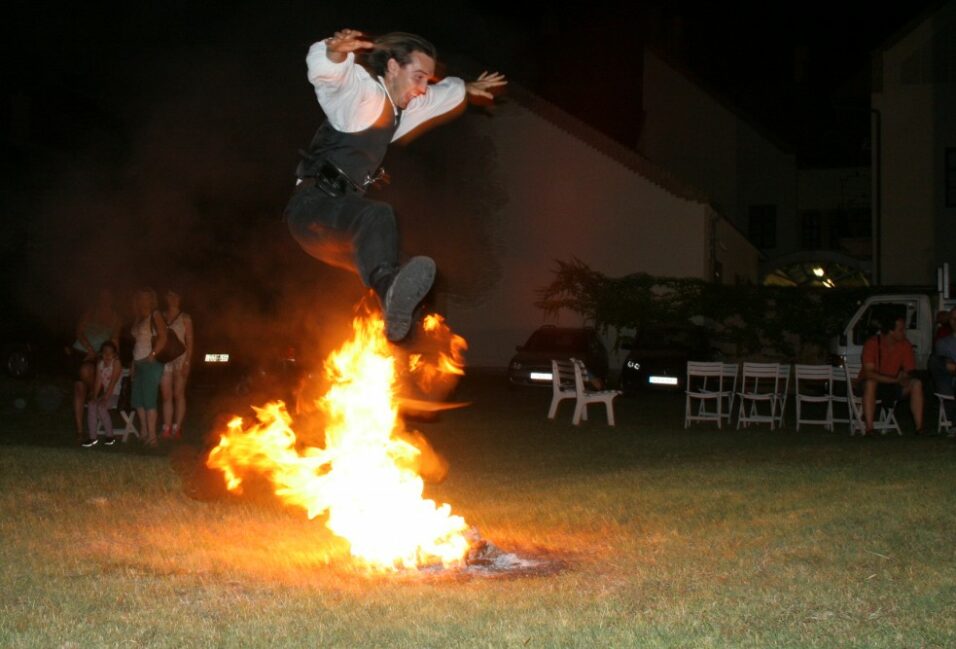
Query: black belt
331	180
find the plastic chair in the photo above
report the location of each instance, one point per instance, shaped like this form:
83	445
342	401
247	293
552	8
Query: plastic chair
759	385
783	391
813	384
943	422
711	383
586	396
840	390
731	372
562	385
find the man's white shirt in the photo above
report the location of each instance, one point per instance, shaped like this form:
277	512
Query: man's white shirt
353	100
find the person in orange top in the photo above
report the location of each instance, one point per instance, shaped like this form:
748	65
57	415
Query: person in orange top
887	374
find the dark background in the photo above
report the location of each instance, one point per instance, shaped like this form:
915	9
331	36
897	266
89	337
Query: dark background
155	143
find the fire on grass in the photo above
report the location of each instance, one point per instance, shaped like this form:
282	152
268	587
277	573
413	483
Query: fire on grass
365	478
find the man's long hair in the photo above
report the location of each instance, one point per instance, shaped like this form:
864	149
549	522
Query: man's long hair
398	46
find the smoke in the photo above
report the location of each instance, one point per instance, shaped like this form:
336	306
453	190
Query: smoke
183	184
190	198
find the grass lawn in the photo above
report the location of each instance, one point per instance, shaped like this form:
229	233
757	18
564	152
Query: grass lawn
670	538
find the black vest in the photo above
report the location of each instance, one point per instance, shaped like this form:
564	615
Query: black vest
358	154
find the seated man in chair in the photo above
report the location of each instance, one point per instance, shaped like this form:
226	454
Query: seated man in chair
888	372
942	364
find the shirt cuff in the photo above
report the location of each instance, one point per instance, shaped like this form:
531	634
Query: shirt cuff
319	65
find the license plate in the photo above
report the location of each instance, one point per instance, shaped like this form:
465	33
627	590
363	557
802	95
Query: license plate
217	358
540	376
662	380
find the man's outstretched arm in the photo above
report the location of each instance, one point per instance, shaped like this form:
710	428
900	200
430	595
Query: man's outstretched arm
484	84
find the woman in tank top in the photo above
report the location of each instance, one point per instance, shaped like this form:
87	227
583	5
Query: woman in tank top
176	373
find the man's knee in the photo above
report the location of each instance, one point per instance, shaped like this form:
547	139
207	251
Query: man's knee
379	217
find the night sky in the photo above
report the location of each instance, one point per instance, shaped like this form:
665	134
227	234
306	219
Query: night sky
155	142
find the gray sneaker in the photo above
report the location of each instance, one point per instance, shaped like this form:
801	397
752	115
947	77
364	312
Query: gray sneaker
409	287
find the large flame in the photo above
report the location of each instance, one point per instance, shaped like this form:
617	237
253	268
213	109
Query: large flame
365	477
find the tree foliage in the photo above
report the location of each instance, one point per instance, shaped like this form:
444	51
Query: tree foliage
749	321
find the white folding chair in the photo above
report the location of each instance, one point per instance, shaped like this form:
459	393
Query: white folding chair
759	385
129	416
562	385
783	391
885	420
708	383
943	422
840	390
731	370
813	384
585	396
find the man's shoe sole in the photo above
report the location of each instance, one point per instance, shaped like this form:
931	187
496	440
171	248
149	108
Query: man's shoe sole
410	286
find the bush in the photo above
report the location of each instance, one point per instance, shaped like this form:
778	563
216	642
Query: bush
746	321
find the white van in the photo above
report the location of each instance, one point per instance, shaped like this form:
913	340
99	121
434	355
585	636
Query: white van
921	311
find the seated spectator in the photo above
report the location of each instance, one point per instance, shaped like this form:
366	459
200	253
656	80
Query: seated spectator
104	396
943	326
99	323
887	374
942	364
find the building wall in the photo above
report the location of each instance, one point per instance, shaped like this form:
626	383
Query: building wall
691	133
840	199
916	104
566	199
738	259
824	189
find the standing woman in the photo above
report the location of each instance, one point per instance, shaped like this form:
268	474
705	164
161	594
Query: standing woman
149	334
176	372
99	324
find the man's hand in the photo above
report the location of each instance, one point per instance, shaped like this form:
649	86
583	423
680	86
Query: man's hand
338	46
482	86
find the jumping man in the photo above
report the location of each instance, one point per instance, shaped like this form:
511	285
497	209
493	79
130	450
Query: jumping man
366	109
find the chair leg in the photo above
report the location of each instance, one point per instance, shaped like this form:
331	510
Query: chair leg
610	412
580	409
130	427
553	410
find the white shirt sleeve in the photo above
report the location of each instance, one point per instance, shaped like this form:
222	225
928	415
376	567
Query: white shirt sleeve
351	99
440	98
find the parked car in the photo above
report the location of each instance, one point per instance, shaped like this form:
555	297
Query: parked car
29	347
532	364
657	357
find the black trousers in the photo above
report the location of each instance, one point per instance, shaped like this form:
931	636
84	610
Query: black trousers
349	231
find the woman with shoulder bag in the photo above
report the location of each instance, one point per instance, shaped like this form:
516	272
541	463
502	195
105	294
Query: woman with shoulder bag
176	372
149	333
